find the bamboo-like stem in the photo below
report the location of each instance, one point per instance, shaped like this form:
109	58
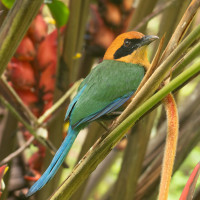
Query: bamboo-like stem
21	15
18	116
101	171
71	35
102	148
170	18
143	9
13	96
170	148
181	28
191	55
4	12
156	12
80	37
126	183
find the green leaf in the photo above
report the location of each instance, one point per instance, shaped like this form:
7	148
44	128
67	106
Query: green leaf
59	11
8	3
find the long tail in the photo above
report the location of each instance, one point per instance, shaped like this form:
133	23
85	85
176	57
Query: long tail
56	162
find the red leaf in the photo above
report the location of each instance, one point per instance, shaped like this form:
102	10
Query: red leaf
189	188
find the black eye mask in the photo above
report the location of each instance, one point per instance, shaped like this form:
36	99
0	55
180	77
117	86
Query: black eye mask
128	47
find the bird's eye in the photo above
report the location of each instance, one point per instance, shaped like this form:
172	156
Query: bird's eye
127	43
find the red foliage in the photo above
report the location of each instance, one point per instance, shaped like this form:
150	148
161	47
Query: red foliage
21	74
38	29
47	79
189	188
47	51
26	50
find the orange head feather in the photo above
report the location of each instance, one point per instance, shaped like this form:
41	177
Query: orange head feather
130	47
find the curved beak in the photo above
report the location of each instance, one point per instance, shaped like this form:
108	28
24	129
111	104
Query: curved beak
147	39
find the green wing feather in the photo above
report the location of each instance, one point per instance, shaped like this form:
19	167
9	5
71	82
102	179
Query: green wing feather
107	82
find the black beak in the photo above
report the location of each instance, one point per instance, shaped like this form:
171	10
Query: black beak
147	39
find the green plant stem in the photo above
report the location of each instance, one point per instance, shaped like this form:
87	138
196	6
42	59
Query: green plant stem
181	28
3	14
14	28
11	96
144	8
170	19
134	154
102	148
156	12
18	116
71	36
190	56
81	32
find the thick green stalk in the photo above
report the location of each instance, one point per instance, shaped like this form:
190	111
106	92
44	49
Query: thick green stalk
12	97
14	28
80	39
70	39
189	57
102	148
134	154
18	117
4	11
181	28
144	8
169	19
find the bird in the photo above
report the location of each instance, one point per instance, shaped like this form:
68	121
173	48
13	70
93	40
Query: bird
106	88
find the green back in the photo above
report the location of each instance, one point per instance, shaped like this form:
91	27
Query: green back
107	82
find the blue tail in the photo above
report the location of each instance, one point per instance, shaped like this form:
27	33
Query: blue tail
56	162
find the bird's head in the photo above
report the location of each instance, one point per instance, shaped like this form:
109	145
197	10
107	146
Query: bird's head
130	47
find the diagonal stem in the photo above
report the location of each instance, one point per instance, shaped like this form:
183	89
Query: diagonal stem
21	15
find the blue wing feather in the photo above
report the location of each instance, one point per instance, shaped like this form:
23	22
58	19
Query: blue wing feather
108	109
75	99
